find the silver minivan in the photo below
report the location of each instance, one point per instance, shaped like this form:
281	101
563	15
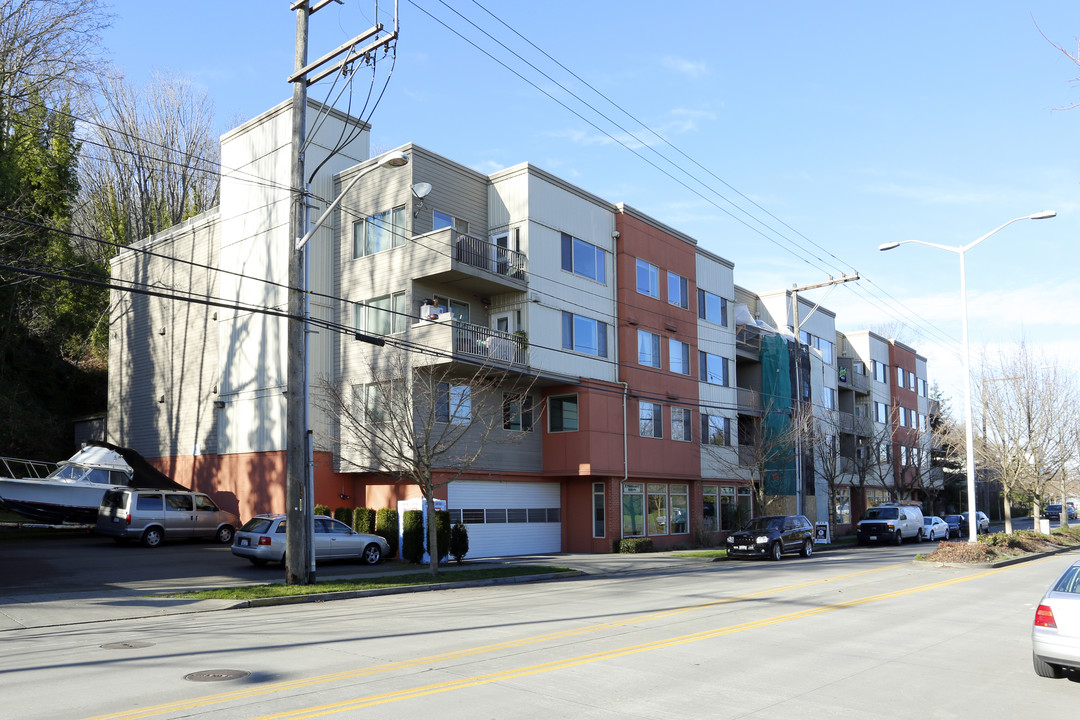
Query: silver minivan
151	516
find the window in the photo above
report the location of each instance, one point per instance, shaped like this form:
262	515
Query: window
677	291
911	381
678	357
453	404
830	398
648	348
714	369
599	527
903	414
648	279
843	505
379	232
881	371
650	419
371	402
881	412
658	509
584	335
680	424
582	258
715	430
900	377
712	307
710	508
440	220
922	423
382	315
517	413
458	310
820	344
680	507
633	509
921	387
563	413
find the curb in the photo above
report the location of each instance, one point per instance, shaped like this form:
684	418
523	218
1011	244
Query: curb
1000	563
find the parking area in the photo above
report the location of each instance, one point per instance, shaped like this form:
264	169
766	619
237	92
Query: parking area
34	564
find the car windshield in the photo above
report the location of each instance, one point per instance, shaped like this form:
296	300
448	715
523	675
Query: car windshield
764	523
882	513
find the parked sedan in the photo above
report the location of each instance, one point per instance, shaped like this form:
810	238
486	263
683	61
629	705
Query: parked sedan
934	528
262	540
1053	512
771	536
982	522
1055	633
957	525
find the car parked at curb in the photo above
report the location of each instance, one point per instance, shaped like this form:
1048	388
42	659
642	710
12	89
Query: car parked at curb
262	540
152	516
1055	631
957	525
982	522
1053	512
934	528
770	536
890	522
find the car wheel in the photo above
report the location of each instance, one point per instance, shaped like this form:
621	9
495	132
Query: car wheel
1045	669
931	536
899	539
807	548
948	533
152	537
224	535
776	552
257	562
372	554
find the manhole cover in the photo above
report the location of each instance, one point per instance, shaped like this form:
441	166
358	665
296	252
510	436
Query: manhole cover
216	675
127	645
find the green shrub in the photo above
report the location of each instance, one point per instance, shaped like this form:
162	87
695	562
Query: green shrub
412	536
363	520
459	541
344	514
386	526
442	533
635	545
322	509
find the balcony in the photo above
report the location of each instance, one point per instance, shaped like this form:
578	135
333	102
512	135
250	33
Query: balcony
848	379
748	341
474	344
748	401
446	256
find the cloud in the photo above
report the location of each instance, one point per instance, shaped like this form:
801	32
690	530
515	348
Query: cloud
684	67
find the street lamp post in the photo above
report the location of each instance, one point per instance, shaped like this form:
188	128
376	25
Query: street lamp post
968	432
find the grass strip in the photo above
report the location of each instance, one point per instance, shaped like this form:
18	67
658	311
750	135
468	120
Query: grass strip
253	592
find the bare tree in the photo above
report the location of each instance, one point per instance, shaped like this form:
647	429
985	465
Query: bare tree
1030	427
823	439
152	160
428	424
765	453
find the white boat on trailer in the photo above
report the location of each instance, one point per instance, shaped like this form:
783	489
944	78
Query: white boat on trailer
72	491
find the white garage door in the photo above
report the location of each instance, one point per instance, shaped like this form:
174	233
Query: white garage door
507	518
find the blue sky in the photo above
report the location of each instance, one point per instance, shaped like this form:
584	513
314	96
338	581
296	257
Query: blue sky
810	133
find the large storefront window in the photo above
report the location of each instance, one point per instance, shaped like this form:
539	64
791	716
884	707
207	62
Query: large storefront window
710	508
843	506
658	516
656	509
633	510
599	525
735	507
876	496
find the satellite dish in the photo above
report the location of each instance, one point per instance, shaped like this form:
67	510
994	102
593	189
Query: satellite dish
421	190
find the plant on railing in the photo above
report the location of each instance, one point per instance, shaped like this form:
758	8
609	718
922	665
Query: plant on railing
522	339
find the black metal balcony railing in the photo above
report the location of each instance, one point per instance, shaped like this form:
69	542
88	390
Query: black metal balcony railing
480	253
489	345
749	401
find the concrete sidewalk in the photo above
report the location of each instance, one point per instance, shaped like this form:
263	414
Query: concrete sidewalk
133	602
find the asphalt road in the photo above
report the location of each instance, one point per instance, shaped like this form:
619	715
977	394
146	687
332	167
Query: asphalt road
846	633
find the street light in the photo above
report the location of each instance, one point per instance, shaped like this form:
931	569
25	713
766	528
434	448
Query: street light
968	433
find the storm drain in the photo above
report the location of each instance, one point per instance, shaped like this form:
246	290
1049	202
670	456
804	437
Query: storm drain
216	675
126	645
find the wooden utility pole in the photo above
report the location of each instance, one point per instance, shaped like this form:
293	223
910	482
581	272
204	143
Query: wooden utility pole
300	515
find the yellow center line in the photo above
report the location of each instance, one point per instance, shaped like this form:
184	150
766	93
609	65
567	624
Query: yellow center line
427	660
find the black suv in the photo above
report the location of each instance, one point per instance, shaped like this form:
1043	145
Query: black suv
771	536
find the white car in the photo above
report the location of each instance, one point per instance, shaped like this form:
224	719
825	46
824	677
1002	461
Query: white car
982	523
934	528
1055	633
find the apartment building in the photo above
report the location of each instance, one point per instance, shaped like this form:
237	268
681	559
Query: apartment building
623	370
